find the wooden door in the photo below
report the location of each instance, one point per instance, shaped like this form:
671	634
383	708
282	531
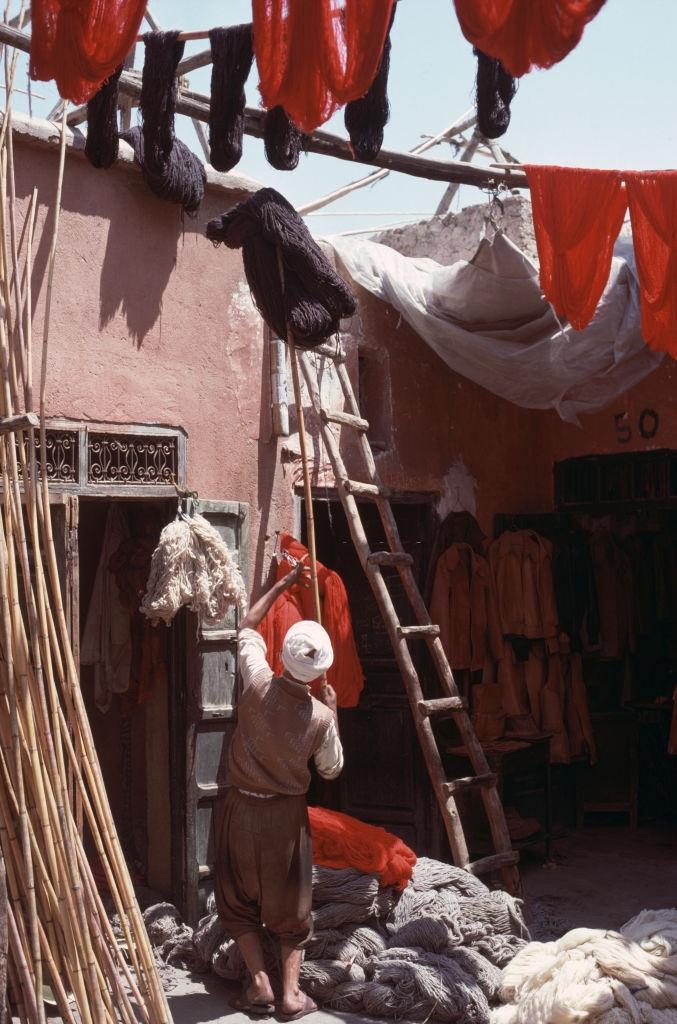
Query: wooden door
384	781
203	721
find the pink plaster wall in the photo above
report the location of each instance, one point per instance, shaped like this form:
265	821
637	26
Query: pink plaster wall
439	416
151	324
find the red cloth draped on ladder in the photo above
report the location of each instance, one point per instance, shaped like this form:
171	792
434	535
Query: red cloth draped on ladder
80	43
340	841
577	217
296	604
315	57
525	33
652	196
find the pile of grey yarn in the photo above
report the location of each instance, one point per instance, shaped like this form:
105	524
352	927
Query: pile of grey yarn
434	951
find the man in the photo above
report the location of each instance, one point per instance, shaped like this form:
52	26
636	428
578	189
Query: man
263	846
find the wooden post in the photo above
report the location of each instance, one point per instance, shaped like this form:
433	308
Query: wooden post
307	489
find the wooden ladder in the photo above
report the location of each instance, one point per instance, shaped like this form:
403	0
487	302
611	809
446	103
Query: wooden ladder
450	703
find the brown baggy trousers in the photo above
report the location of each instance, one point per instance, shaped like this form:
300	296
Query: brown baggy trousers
264	866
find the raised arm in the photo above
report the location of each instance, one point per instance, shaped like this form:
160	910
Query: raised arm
260	608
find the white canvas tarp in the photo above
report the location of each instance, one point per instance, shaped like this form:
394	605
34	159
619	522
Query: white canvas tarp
487	319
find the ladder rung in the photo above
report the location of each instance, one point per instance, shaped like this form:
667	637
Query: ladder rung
345	419
361	490
418	632
20	422
389	558
486	865
468	782
331	350
441	706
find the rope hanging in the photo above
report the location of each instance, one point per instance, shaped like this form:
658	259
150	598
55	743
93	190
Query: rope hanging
282	140
365	118
495	89
313	58
315	298
80	43
101	147
232	57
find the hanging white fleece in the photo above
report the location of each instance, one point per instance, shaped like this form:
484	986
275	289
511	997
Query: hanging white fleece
605	977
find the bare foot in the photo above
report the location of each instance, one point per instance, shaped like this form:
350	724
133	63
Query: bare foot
296	1004
260	991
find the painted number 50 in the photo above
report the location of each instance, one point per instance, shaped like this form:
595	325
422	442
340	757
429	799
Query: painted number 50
647	425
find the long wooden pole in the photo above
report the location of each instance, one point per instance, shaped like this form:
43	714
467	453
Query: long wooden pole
303	443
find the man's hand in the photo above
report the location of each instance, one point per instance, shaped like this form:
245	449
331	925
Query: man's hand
328	696
299	574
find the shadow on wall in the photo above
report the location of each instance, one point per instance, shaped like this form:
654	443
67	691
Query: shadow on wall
138	262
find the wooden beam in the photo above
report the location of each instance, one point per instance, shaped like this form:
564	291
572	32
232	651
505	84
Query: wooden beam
196	105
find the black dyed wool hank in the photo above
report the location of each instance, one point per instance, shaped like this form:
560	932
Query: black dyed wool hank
282	140
314	298
495	92
366	118
101	147
181	179
232	55
159	89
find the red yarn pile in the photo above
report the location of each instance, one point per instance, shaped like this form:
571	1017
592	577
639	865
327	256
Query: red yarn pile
315	57
80	43
296	604
577	216
523	34
340	841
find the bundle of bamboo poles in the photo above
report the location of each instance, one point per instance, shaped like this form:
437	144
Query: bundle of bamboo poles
55	820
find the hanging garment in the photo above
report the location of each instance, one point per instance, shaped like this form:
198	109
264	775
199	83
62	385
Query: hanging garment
652	197
315	57
524	34
80	43
577	218
521	677
577	711
575	587
340	841
131	564
455	528
552	711
615	588
295	604
521	562
106	640
463	605
488	713
314	298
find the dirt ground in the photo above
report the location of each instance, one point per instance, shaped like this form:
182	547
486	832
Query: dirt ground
600	878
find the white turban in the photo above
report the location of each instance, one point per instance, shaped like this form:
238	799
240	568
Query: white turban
307	652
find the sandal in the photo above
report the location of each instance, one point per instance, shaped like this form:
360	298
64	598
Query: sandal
308	1007
254	1009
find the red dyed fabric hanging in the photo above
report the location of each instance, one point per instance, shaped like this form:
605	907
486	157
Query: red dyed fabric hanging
315	57
577	217
296	604
652	197
80	43
523	34
340	841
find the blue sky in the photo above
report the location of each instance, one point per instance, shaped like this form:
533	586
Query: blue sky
610	103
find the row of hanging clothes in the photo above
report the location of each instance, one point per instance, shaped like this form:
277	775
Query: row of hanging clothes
537	616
